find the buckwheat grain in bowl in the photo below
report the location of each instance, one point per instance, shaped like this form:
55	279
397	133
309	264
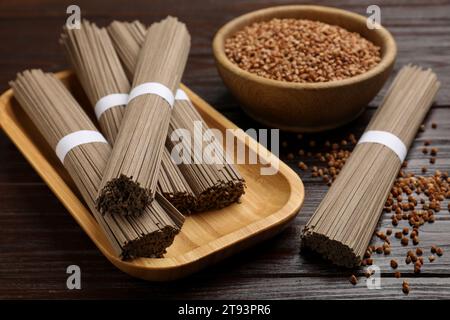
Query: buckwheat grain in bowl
303	68
301	50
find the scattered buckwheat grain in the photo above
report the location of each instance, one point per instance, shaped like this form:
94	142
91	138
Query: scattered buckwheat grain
353	280
394	264
405	287
302	166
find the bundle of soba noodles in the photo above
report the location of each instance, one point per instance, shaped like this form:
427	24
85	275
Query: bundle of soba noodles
216	183
343	224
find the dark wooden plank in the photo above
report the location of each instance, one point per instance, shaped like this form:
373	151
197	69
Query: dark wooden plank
39	239
226	287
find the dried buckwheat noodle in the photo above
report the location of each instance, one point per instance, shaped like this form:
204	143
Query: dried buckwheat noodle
343	224
102	76
58	116
215	185
131	175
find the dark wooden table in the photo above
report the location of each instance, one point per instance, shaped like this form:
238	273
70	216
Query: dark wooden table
39	239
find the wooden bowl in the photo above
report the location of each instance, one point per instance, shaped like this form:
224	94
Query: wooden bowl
307	107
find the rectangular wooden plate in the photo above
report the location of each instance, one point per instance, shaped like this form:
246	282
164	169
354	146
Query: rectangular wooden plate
270	201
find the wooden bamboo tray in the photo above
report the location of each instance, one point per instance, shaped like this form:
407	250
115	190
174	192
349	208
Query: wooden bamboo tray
269	204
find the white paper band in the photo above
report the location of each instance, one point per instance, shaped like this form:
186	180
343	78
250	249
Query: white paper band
109	101
386	138
153	88
181	95
122	99
75	139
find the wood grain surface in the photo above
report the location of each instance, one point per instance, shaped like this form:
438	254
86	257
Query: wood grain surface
38	238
